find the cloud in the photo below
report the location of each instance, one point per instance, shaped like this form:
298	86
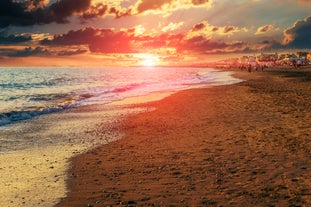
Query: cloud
25	13
264	29
60	10
79	37
141	6
209	31
172	26
198	26
131	41
202	45
145	5
93	11
167	6
229	29
13	39
98	40
28	51
270	45
31	12
74	52
120	12
35	4
199	2
299	35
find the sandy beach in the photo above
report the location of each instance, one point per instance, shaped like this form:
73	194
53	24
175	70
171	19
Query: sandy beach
33	174
246	144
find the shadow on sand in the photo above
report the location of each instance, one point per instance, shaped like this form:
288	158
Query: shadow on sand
302	75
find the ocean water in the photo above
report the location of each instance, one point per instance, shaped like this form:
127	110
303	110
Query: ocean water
29	92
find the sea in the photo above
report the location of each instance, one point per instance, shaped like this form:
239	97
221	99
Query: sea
29	92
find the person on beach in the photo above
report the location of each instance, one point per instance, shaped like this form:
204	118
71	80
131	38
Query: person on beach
249	68
295	64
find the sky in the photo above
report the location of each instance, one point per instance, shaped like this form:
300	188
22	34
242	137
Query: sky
148	32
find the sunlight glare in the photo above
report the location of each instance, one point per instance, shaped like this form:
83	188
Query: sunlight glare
148	60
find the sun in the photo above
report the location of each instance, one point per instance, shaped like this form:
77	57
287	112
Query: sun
148	63
148	60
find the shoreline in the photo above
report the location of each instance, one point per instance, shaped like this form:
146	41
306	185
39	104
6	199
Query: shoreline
237	145
34	173
36	151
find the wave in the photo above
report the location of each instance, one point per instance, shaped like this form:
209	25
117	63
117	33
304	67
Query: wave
127	87
75	92
59	102
42	84
14	116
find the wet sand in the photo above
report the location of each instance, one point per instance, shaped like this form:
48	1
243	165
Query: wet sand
35	153
247	144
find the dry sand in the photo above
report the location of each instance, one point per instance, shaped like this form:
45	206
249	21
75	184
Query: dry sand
247	144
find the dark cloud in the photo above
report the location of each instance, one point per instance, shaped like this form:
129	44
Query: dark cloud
198	27
13	13
228	29
69	53
28	51
99	9
35	4
98	40
215	29
20	13
200	44
31	12
299	35
120	13
79	37
271	44
111	41
13	39
60	10
264	29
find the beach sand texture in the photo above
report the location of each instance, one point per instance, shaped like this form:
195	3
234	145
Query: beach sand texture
34	174
247	144
239	145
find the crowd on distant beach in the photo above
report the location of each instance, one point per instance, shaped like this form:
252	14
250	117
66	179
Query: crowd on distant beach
262	61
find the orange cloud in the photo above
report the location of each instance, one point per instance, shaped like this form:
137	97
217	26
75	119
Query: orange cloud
166	7
144	5
172	26
135	40
207	30
199	2
33	5
264	29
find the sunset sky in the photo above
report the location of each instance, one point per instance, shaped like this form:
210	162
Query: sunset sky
148	32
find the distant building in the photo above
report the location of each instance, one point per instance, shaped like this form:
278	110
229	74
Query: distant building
302	54
244	60
268	57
